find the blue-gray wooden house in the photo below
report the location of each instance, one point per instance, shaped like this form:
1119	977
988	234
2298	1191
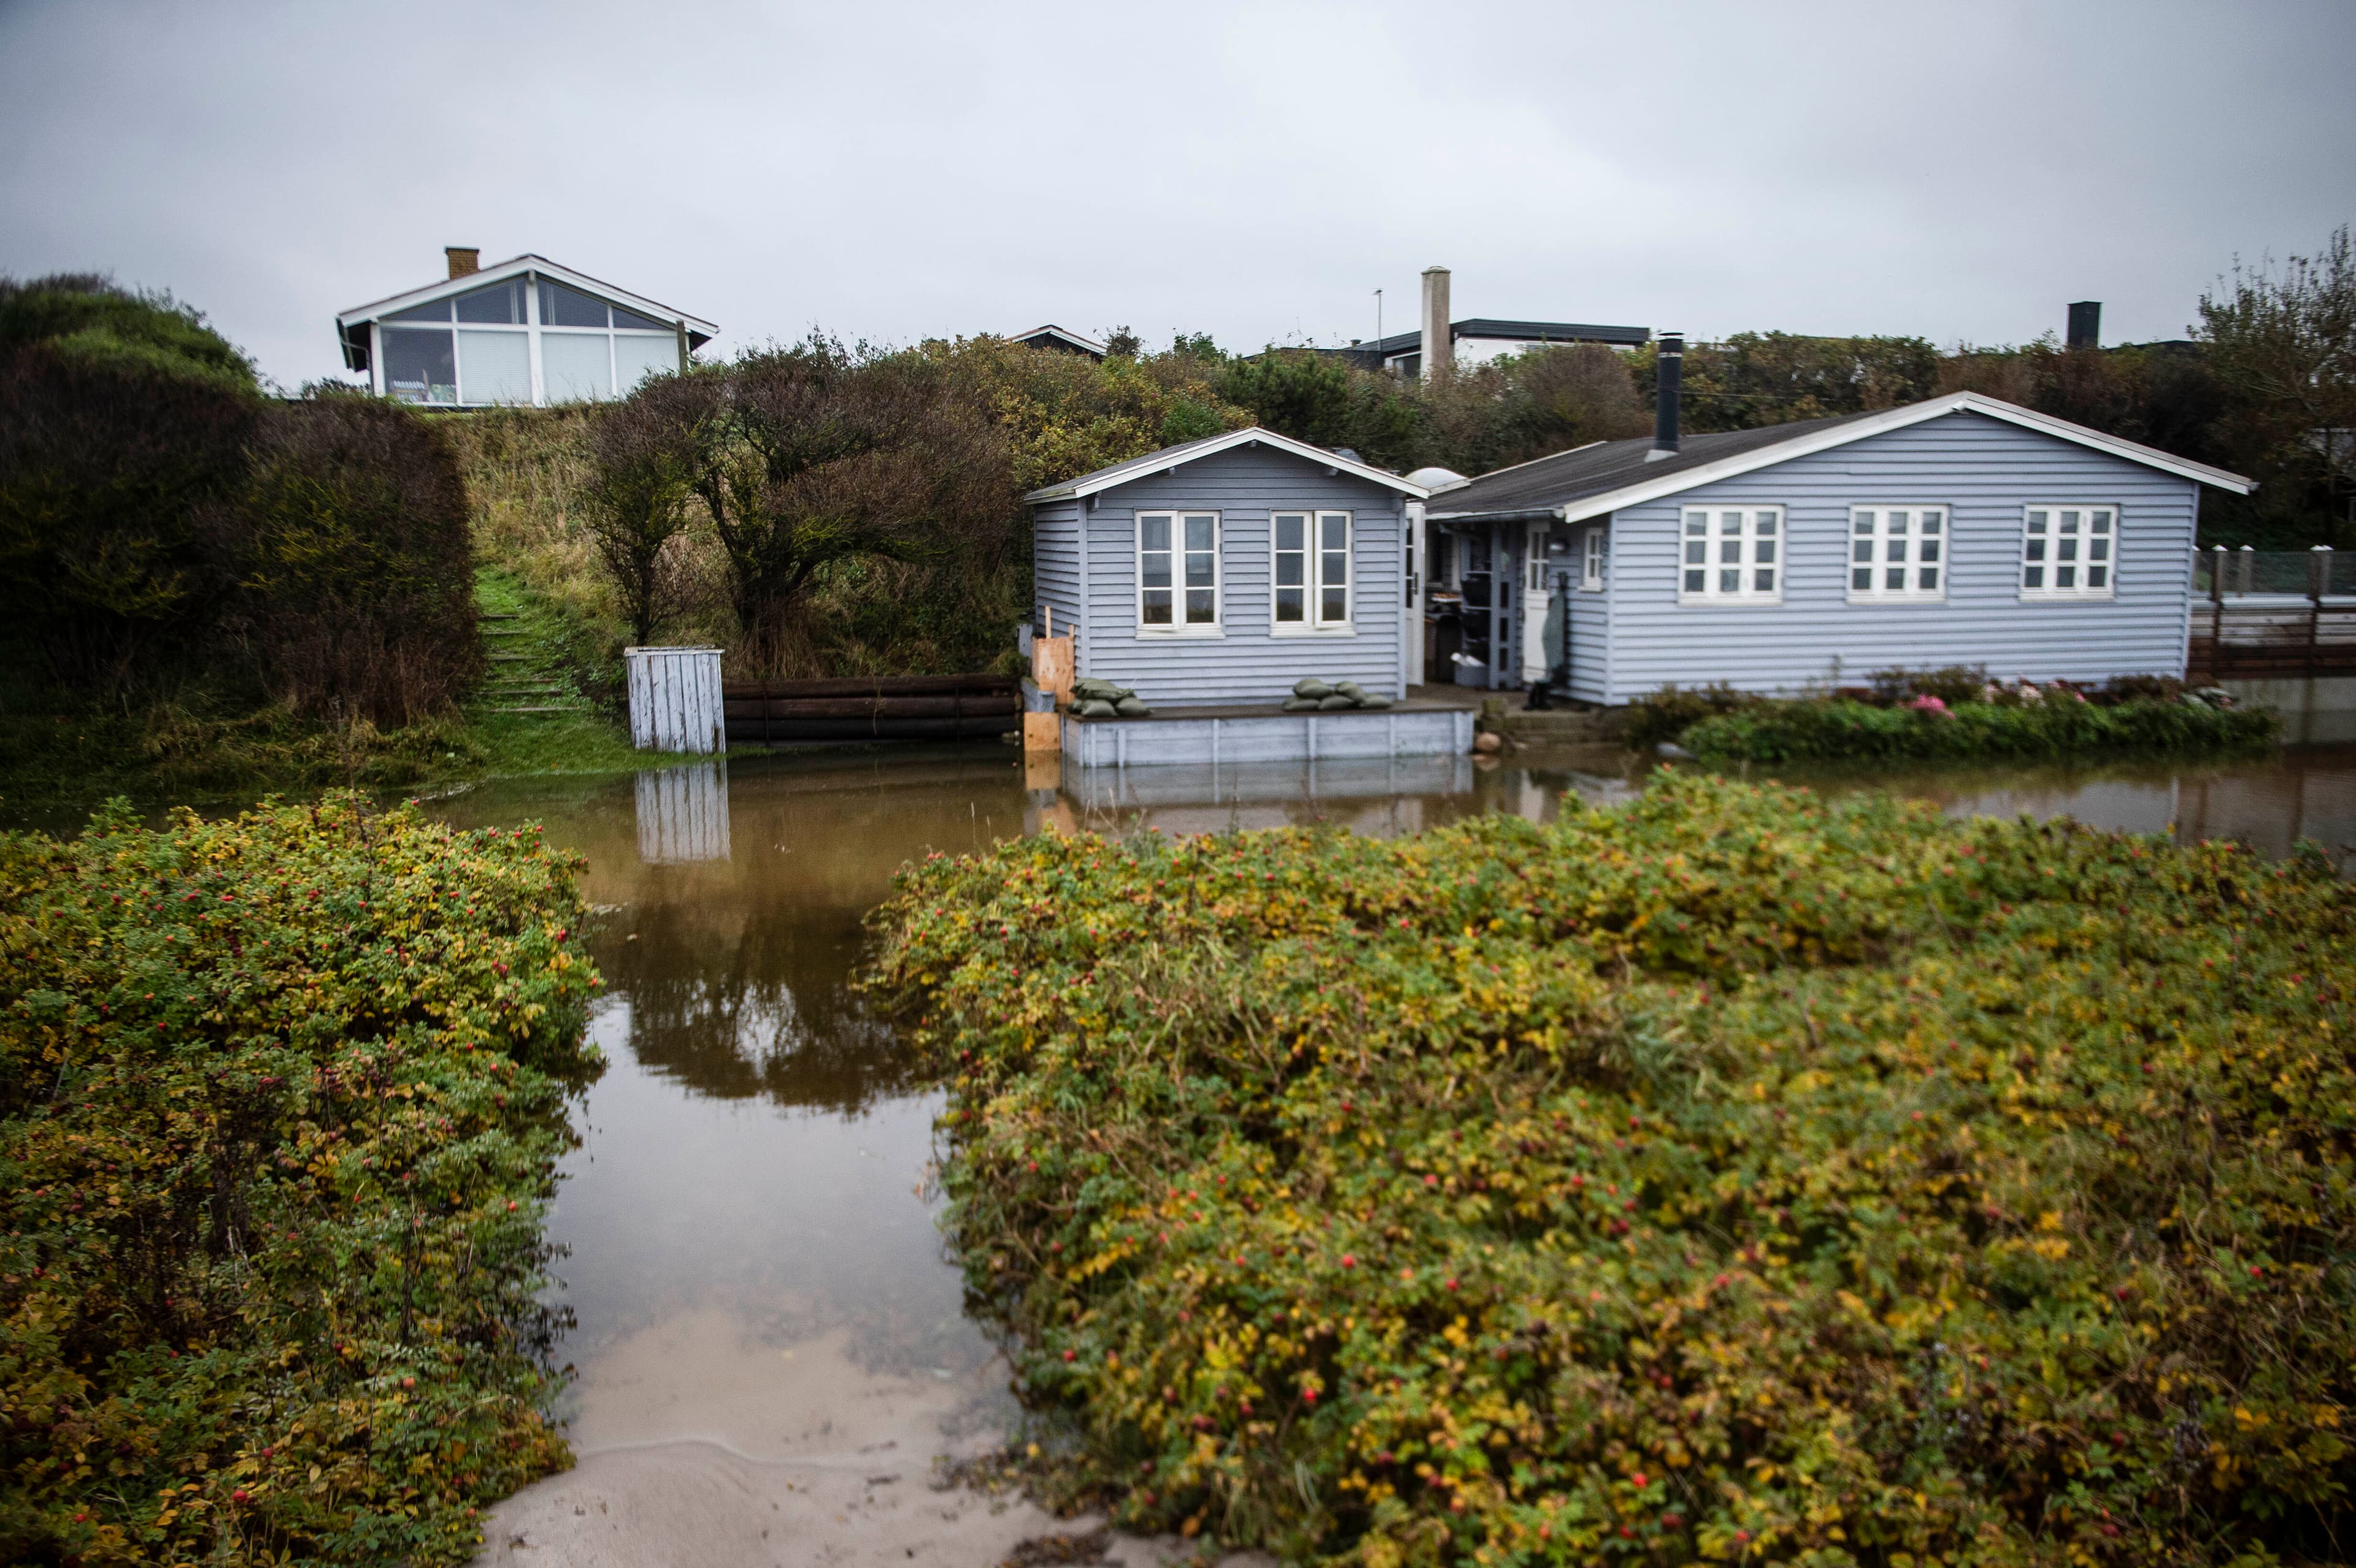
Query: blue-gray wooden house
1221	571
1960	530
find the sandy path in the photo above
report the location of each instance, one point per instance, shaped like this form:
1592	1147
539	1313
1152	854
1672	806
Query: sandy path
701	1445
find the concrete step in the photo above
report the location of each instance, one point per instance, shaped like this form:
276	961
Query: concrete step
510	658
497	616
544	707
1558	727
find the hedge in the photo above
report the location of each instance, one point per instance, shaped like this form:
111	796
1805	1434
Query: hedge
280	1102
1811	730
1728	1175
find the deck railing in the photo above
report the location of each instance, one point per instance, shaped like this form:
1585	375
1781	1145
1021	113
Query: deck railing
2272	614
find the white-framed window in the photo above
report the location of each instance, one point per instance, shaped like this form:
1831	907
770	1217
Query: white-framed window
1533	560
1591	561
577	345
2069	550
1896	554
1178	573
1312	571
1732	555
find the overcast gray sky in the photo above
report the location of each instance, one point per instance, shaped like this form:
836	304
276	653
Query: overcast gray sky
898	171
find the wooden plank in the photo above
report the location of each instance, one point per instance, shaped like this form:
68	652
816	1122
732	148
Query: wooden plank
985	706
873	685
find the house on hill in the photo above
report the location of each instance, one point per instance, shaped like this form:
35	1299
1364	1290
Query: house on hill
1959	531
1060	340
525	330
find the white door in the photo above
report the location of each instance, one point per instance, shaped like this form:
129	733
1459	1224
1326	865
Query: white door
1536	596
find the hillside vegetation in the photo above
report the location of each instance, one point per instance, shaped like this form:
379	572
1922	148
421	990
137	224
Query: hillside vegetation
1728	1175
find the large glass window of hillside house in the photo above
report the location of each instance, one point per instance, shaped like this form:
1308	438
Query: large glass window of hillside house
562	306
575	366
420	366
495	367
637	356
500	304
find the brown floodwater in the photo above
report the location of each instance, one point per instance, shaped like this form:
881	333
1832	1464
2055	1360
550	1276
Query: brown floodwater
753	1261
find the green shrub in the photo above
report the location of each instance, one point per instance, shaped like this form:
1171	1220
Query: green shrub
357	580
1954	684
2060	726
1727	1175
88	321
1666	713
280	1099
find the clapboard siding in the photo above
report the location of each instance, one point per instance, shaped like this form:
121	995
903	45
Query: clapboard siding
1591	624
1055	564
1246	664
1985	471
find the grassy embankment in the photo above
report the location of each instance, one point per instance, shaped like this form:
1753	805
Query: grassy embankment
1727	1176
280	1099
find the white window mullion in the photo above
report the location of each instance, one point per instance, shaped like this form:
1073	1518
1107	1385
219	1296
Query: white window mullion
1731	555
2069	550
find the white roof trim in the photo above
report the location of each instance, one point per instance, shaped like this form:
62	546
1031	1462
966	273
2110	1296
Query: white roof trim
514	267
1163	461
1767	456
1065	333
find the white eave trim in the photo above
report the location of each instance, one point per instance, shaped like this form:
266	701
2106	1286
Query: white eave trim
1169	458
1751	462
1067	334
516	267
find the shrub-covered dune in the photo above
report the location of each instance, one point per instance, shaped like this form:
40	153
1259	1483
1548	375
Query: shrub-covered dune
1732	1176
280	1102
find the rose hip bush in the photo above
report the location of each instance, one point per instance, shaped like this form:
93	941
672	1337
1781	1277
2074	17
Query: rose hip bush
1730	1175
1819	729
280	1102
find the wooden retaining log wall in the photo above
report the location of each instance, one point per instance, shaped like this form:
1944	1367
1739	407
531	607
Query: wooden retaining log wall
877	708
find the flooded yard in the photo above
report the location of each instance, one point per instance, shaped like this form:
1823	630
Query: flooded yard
769	1336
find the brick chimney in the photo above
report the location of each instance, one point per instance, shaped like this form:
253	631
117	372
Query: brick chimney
1439	342
464	259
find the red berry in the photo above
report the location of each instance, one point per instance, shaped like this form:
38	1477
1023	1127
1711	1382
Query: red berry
1348	1261
1071	1355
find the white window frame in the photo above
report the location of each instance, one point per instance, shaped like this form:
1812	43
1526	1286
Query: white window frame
1900	537
2075	552
1759	547
1591	558
1316	625
1179	627
1533	560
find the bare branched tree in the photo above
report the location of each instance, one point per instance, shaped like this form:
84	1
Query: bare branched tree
635	503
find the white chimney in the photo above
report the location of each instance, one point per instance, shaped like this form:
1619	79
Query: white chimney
1439	344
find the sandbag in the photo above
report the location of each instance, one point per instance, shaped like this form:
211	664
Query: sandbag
1131	707
1350	689
1313	689
1374	702
1336	702
1301	704
1095	708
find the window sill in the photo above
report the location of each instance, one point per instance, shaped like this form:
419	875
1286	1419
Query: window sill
1179	634
1869	600
1312	632
2068	596
1728	602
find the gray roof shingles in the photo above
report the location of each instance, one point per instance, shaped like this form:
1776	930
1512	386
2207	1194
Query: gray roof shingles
1550	482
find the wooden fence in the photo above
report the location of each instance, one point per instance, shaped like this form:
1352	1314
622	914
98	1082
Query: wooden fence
881	708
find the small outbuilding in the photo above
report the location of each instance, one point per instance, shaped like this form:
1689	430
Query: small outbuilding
1961	530
525	330
1227	569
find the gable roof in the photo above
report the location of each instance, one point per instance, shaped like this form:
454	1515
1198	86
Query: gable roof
698	331
1185	451
1590	481
1054	336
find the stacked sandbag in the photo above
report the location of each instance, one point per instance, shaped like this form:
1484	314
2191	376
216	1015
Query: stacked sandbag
1094	698
1314	696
